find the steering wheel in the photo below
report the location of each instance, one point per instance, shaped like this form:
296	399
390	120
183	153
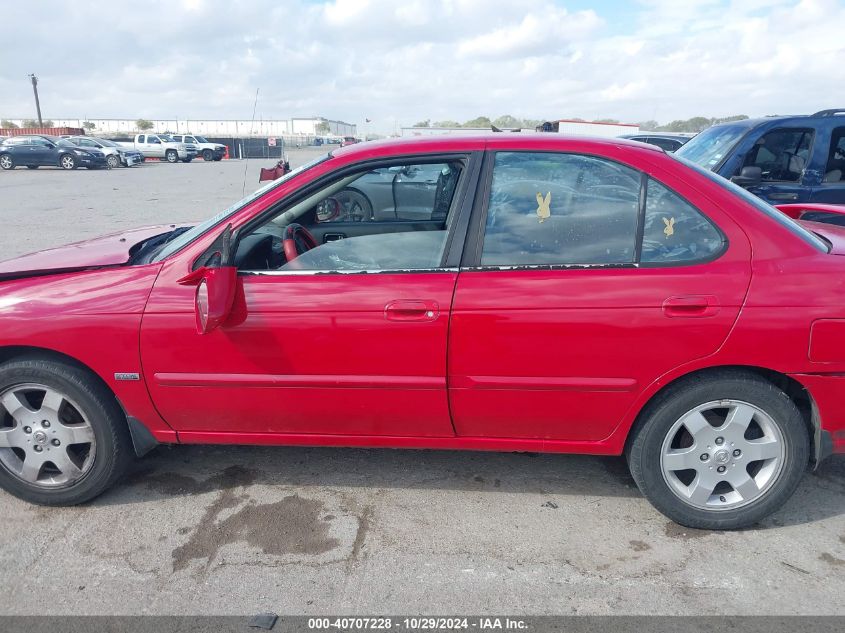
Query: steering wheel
297	240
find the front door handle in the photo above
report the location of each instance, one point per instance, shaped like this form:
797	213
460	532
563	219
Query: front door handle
411	310
783	196
691	306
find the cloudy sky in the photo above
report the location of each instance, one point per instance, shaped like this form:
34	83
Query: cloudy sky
400	61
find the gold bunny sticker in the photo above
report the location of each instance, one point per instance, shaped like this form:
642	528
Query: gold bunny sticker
670	227
543	204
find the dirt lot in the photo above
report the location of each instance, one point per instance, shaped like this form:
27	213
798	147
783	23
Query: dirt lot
240	530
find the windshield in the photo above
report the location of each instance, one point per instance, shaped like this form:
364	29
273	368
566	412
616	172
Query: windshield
201	139
709	148
759	204
107	143
63	142
166	139
195	232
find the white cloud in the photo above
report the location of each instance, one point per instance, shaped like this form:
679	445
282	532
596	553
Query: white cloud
441	59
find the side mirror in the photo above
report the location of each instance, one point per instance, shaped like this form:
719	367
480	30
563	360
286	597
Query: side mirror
214	298
748	177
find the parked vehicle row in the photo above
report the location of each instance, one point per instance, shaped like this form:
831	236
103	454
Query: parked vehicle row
70	152
34	151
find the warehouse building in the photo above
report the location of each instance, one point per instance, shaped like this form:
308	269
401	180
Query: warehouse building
306	127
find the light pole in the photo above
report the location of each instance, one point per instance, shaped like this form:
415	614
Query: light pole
37	102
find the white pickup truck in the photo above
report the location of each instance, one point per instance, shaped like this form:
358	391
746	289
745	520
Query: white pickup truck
162	146
208	150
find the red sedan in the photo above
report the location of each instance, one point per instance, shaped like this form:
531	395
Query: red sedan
507	293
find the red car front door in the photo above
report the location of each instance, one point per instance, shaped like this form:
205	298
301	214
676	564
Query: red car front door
340	354
316	351
587	291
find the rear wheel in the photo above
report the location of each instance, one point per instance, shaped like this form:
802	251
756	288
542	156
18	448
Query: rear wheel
63	438
7	162
67	161
720	452
187	160
32	166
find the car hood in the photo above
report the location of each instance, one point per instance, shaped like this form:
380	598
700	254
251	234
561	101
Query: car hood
109	250
830	232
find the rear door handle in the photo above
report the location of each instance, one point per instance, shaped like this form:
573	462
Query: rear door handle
783	196
691	306
333	237
411	310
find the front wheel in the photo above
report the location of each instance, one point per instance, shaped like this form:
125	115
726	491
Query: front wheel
187	160
7	162
720	452
207	154
172	156
63	438
67	161
113	161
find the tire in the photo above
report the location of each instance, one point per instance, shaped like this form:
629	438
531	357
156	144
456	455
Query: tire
67	161
187	160
7	162
207	155
113	161
172	156
355	205
697	430
218	158
94	435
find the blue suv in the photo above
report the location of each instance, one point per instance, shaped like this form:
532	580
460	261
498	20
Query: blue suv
782	159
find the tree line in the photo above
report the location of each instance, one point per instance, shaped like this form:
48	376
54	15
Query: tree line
506	121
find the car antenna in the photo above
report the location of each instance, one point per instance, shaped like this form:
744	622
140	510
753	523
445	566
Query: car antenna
251	125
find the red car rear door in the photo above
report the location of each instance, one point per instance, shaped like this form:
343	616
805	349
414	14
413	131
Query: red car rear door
590	280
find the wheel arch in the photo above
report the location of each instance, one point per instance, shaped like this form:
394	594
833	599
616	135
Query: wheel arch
142	440
798	393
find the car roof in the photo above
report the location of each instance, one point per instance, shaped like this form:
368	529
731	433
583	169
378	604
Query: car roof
477	142
799	119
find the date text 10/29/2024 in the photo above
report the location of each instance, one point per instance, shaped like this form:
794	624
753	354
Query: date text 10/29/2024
417	623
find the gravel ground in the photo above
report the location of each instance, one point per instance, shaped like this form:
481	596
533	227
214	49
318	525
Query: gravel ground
241	530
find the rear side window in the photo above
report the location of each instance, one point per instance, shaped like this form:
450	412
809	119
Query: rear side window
141	139
551	208
835	170
675	231
781	154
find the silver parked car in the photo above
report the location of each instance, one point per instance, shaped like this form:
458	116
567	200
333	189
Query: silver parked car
116	155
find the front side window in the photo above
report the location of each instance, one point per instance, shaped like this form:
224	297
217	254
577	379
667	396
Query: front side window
675	231
549	208
420	192
389	218
781	154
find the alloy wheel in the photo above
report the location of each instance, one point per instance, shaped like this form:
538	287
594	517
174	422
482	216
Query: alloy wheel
722	455
45	438
68	162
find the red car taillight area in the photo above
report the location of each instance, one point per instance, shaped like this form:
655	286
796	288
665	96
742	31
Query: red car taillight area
827	341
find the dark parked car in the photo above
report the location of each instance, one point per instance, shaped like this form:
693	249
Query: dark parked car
34	151
780	159
668	142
